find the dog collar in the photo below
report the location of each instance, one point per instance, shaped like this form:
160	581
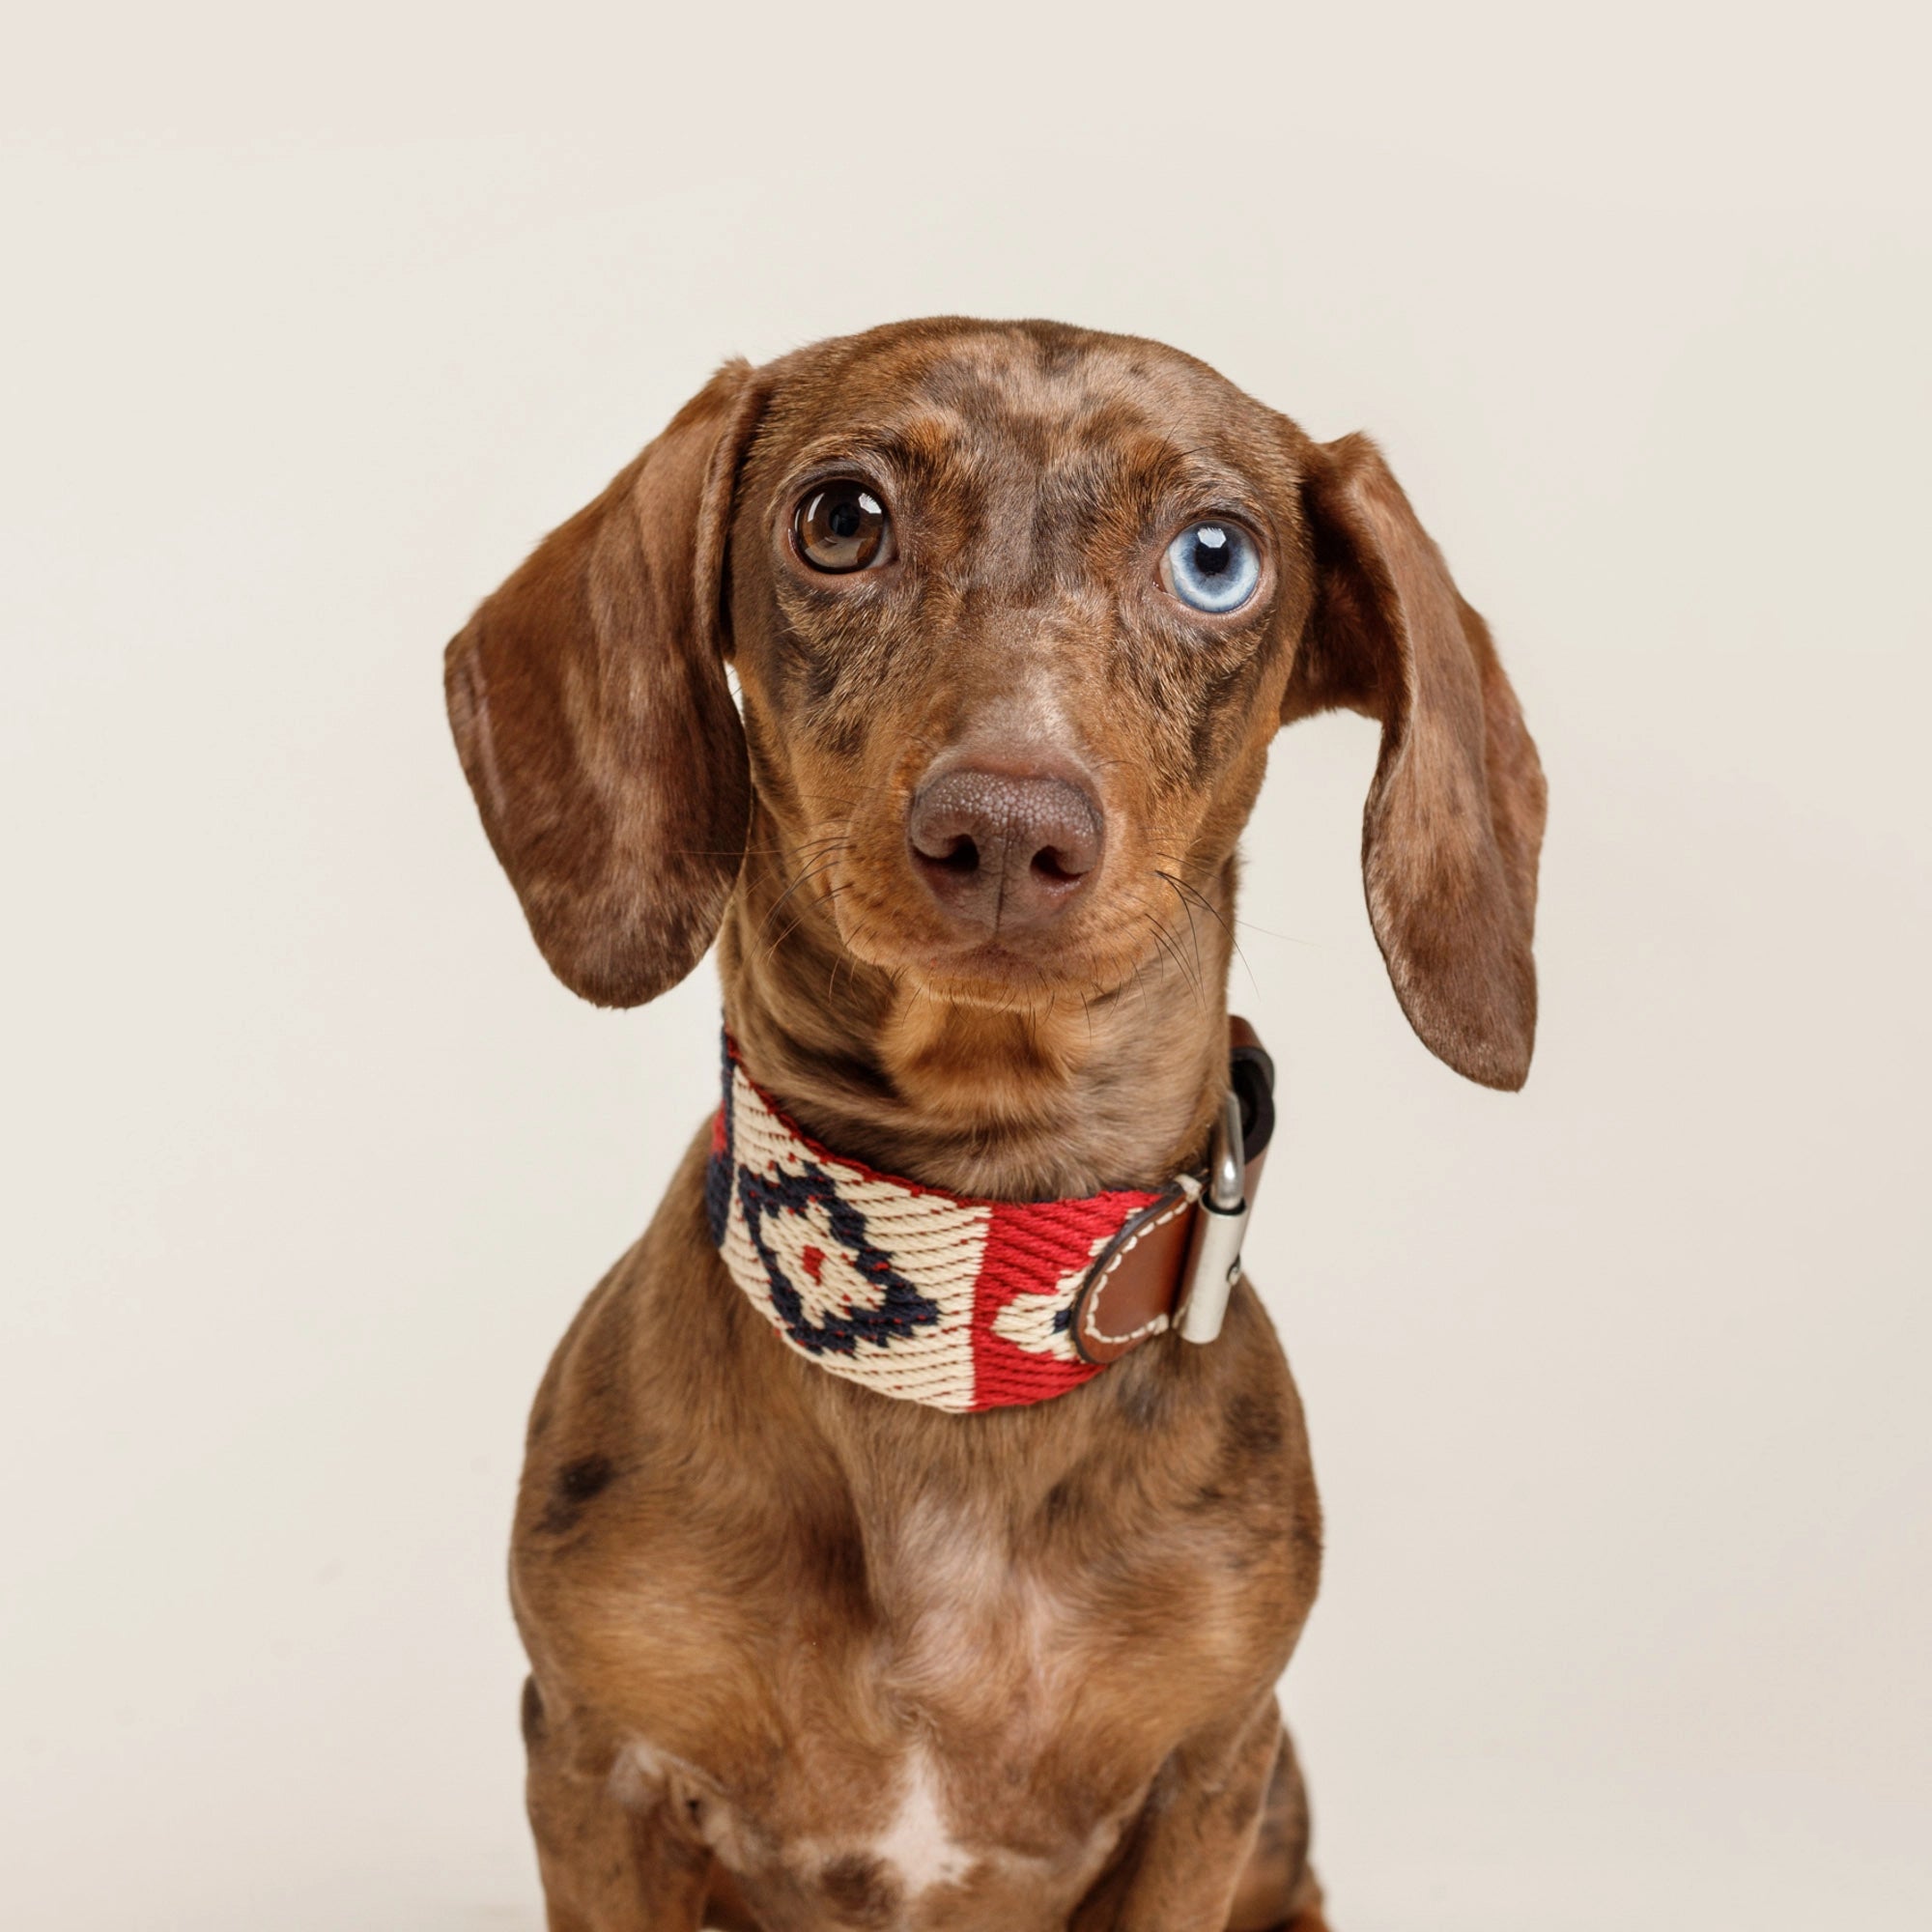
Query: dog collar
965	1304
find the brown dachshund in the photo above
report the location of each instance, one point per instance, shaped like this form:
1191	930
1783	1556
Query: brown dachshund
1015	610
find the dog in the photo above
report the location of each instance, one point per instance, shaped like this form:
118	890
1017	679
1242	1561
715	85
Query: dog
872	1572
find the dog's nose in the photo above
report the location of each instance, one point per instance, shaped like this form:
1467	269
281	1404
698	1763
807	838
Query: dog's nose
1004	851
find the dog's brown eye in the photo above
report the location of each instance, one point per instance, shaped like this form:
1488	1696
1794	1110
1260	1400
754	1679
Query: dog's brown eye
843	527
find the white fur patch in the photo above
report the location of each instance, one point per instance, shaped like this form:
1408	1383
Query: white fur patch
918	1844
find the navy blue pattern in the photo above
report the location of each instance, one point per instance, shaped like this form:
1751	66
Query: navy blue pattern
901	1308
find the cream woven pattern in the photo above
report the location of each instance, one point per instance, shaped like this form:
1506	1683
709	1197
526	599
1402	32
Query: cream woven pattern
891	1284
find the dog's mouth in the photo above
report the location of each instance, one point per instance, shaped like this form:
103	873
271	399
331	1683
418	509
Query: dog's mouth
1096	939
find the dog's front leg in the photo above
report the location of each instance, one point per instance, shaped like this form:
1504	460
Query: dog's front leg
613	1853
1195	1837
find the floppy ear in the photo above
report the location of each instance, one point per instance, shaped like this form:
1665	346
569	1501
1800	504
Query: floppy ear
594	723
1454	815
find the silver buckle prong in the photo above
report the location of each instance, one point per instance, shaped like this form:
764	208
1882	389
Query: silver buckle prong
1214	1254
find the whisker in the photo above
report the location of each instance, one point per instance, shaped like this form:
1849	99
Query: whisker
815	868
1194	938
772	949
1170	948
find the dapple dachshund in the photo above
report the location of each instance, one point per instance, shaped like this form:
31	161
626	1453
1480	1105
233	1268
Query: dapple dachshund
915	1523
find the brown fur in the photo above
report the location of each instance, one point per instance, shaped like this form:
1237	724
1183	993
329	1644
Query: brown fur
759	1601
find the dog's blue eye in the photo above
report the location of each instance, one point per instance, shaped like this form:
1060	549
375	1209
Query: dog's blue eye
1212	566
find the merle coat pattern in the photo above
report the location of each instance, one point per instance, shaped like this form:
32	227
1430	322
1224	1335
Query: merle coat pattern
802	1656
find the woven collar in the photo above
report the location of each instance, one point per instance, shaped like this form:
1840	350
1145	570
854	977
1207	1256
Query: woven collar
915	1292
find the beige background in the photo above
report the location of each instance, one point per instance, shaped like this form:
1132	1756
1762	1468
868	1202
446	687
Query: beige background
318	318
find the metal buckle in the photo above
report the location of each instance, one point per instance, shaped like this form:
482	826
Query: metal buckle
1214	1254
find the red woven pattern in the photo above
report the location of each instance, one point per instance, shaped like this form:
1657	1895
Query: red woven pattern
915	1293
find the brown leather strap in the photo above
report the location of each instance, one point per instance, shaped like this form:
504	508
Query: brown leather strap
1134	1289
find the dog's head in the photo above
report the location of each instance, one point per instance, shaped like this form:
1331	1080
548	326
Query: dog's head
1015	609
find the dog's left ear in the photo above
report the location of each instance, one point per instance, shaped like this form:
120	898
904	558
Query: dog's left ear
1454	821
594	723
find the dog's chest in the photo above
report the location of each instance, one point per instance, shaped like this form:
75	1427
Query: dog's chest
982	1750
967	1754
966	1631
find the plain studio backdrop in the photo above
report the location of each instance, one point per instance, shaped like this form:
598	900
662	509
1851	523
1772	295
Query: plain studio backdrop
318	320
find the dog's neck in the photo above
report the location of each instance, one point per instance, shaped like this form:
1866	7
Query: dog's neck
1053	1097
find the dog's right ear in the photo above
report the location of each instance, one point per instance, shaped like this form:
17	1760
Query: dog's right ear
594	723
